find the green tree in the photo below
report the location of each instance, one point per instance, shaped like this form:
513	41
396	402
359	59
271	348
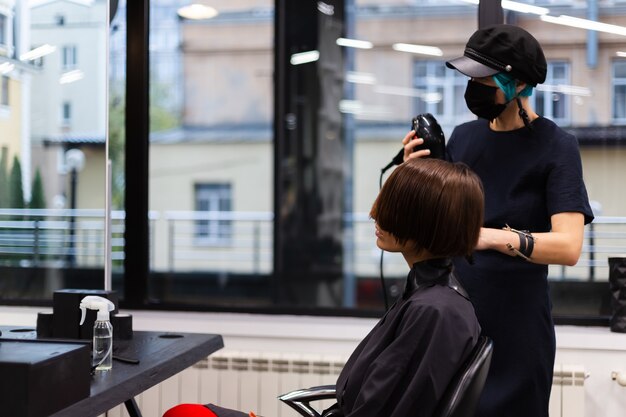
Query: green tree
117	135
38	197
161	115
16	196
160	119
16	192
4	180
37	201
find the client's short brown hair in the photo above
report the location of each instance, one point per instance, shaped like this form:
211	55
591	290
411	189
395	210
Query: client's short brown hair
437	204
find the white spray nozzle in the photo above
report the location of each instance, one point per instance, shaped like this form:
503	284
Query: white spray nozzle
94	302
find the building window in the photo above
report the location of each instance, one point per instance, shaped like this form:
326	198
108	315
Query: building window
66	113
3	30
551	99
4	100
440	91
619	92
39	61
69	57
213	199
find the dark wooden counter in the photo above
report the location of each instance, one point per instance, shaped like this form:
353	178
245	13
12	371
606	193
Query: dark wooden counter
160	356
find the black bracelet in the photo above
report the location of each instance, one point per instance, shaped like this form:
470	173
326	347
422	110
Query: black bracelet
526	243
522	243
531	245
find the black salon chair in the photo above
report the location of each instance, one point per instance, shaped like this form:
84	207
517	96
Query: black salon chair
459	400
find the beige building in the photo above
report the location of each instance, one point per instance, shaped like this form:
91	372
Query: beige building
69	98
226	134
10	118
14	77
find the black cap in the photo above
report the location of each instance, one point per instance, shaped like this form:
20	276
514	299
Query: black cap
502	48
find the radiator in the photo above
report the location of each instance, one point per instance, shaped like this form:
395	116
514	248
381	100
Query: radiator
250	381
246	381
567	398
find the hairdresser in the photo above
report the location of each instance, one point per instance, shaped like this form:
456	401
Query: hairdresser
536	206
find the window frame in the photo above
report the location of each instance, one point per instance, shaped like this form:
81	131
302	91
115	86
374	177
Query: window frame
4	27
137	234
453	85
219	232
614	96
547	110
5	99
136	288
69	57
66	114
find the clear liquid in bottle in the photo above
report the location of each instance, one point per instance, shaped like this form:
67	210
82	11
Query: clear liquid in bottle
103	345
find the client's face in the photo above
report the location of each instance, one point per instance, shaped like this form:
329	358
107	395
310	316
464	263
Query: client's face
387	242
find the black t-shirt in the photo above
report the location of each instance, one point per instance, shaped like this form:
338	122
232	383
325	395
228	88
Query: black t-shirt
528	176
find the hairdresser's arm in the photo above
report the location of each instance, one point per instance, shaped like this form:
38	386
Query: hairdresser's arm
561	246
410	143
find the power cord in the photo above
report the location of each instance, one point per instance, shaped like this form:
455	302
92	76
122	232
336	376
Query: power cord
382	279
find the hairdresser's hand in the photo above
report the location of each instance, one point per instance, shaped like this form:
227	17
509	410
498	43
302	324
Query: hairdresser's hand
409	143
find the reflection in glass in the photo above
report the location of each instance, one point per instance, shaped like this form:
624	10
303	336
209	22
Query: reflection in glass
211	113
52	108
210	149
384	88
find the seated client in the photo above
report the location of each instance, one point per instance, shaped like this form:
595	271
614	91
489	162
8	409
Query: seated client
428	210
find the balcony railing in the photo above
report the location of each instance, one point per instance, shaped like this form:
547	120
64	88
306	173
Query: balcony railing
237	242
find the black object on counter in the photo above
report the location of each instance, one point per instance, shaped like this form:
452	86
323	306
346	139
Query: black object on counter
66	319
40	378
122	326
44	324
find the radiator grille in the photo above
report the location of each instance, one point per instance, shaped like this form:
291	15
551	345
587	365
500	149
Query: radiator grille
247	381
251	381
567	398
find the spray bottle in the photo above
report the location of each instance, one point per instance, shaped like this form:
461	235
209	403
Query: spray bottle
102	357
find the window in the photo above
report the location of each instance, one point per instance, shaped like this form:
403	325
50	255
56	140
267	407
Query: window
211	152
553	97
213	199
36	133
195	117
619	91
3	29
5	91
66	113
38	61
69	57
440	92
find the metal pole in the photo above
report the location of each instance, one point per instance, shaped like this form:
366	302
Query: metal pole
108	262
592	253
71	257
170	244
257	248
36	249
349	287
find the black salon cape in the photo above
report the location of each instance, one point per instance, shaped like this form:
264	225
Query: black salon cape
405	363
527	177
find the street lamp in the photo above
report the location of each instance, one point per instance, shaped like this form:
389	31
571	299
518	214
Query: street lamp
75	162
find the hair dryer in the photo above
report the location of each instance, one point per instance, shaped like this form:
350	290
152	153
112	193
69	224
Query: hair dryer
426	127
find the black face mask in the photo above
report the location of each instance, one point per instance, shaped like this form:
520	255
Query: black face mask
481	100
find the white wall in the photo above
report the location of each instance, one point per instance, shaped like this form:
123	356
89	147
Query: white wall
596	348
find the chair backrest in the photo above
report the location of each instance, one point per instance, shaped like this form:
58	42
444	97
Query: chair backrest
461	396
